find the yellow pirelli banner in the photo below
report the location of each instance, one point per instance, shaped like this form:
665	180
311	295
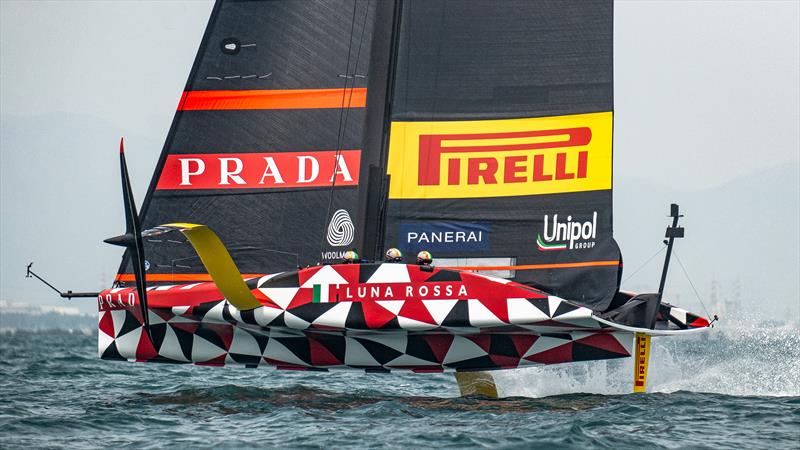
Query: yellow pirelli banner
500	158
641	358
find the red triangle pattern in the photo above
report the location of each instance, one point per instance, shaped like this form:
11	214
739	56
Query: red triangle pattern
145	350
415	309
417	276
302	297
164	314
106	324
560	354
375	316
439	344
225	332
604	341
306	274
203	293
522	342
187	327
484	341
321	356
263	299
350	272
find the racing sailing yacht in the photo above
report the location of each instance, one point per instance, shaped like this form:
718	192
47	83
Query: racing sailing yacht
478	131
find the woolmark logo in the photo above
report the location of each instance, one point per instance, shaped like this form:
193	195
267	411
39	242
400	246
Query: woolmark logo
341	230
569	234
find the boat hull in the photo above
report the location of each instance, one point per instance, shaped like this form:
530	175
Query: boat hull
215	333
376	317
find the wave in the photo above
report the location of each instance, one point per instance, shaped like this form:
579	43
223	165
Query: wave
748	358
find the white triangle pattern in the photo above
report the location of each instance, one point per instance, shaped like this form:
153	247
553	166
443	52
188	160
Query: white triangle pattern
521	311
244	343
155	319
414	325
170	347
480	316
103	341
393	306
336	316
215	313
580	313
408	360
462	349
439	309
277	351
356	355
398	342
202	350
553	302
129	342
544	343
265	314
325	275
281	296
390	273
295	322
118	319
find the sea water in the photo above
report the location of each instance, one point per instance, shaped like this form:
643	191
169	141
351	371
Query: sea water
738	387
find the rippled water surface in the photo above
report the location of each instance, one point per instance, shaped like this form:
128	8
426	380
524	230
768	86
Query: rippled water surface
734	389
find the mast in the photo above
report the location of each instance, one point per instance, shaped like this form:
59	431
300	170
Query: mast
672	232
380	86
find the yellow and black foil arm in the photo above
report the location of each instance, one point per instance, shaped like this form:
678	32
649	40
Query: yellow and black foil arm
218	262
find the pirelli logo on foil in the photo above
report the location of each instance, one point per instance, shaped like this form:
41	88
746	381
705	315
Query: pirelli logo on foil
500	158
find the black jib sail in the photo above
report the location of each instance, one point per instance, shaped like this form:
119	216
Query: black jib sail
500	148
276	96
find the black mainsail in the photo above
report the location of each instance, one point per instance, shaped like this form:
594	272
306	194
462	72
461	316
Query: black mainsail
501	136
478	132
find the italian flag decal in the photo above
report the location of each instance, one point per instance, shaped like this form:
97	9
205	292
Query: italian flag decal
320	294
545	247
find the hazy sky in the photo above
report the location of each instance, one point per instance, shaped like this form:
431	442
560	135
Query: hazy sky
705	92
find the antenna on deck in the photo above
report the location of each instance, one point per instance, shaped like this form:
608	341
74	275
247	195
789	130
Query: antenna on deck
672	233
68	295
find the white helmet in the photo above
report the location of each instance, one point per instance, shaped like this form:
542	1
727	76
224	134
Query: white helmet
393	255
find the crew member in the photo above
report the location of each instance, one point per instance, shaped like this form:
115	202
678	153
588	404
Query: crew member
351	257
393	255
424	258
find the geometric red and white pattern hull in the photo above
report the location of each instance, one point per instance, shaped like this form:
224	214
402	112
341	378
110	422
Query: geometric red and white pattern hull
373	317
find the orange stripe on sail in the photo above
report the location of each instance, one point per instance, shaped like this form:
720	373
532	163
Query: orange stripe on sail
273	99
540	266
196	277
